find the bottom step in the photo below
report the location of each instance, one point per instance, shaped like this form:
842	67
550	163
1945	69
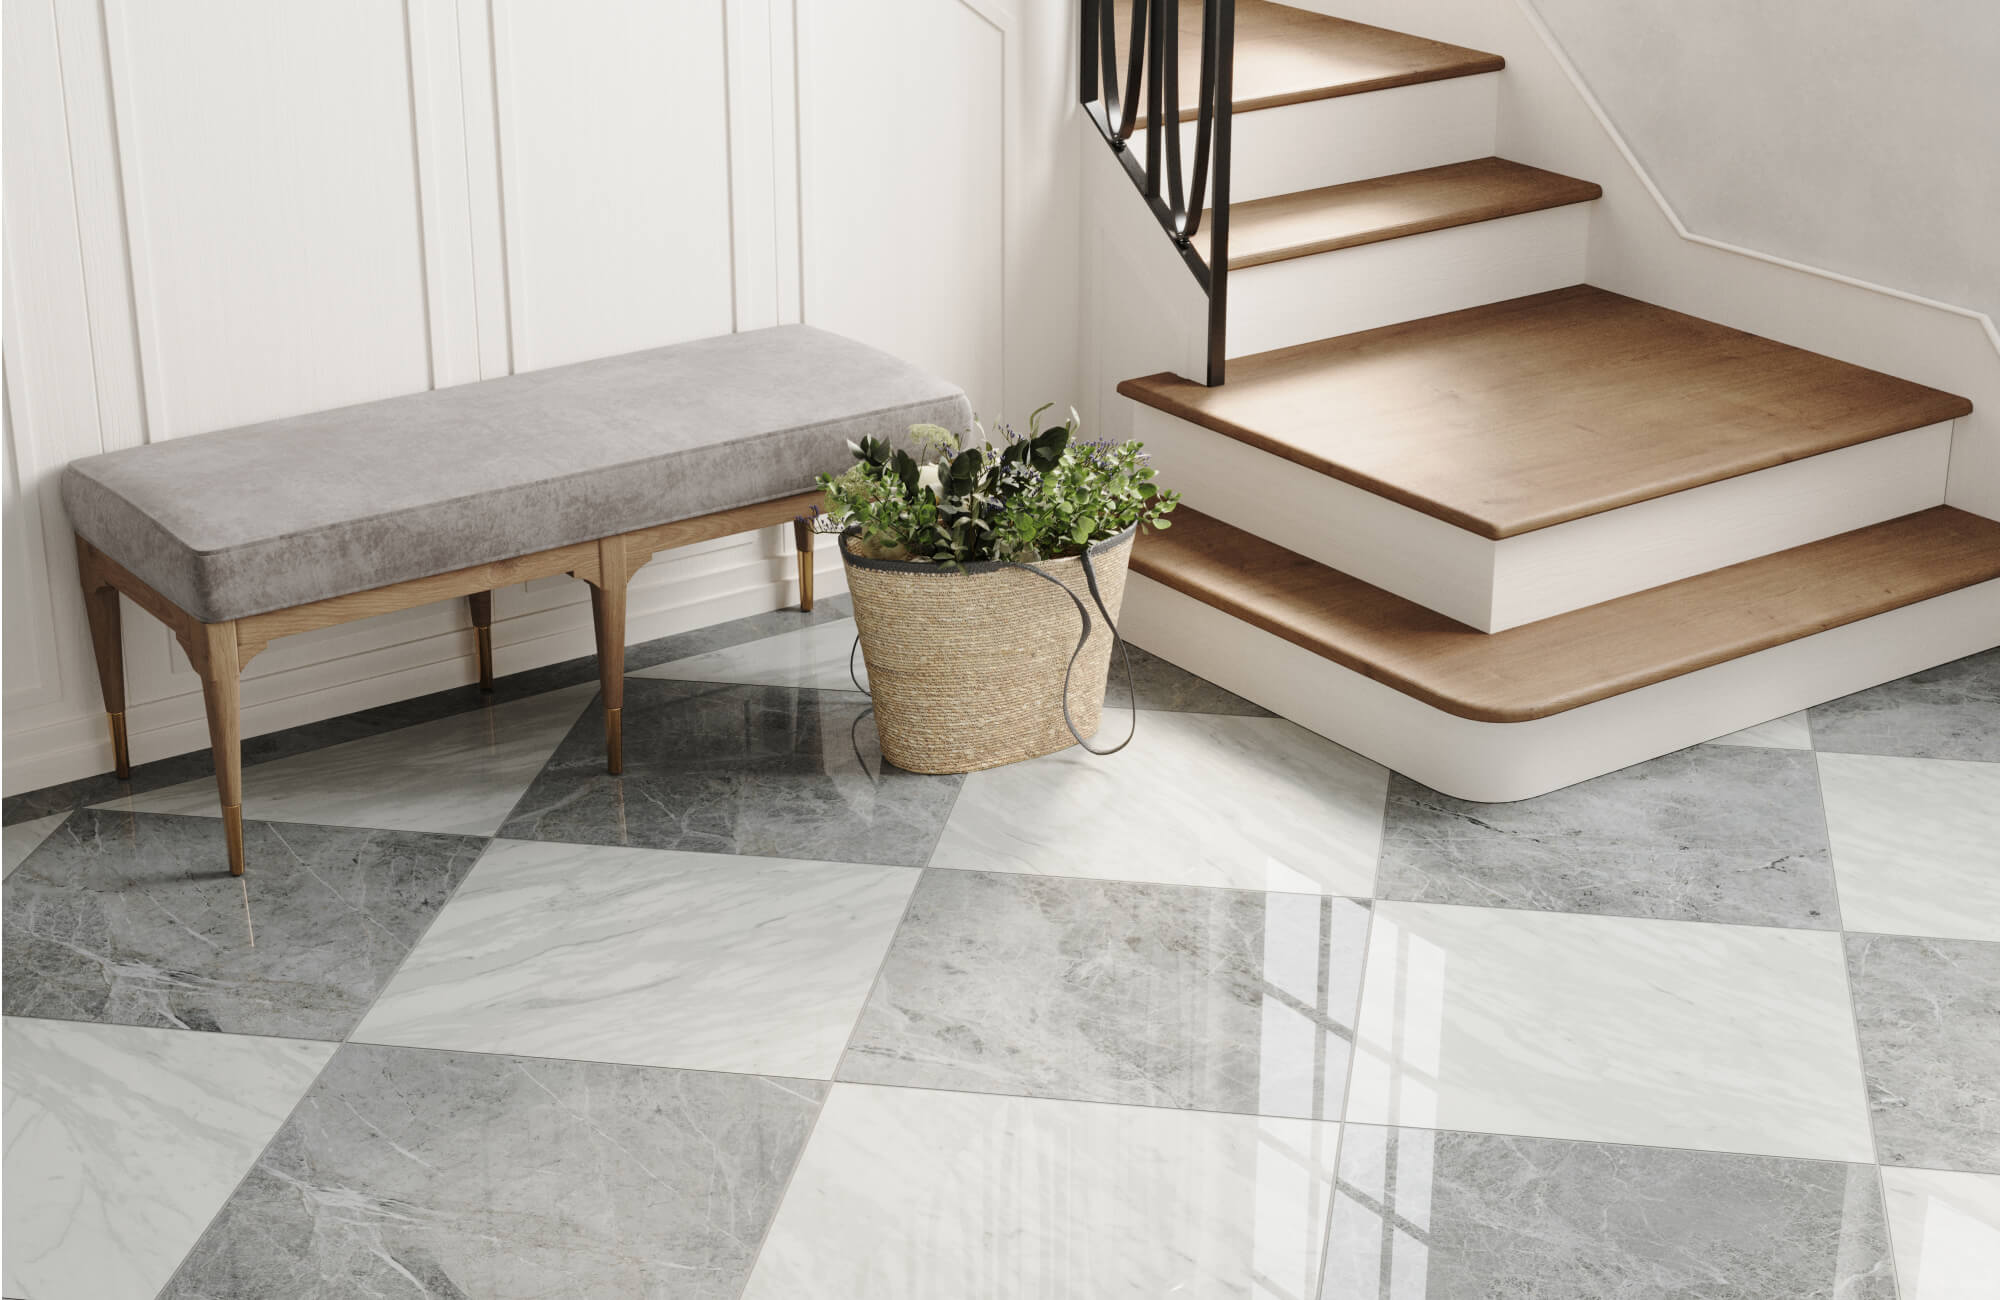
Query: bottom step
1500	716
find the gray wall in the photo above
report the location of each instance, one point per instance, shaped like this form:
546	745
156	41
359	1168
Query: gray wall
1858	136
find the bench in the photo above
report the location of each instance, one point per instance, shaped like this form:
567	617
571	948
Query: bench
235	538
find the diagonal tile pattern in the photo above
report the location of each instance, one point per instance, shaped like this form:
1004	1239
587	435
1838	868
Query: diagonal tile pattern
1093	1020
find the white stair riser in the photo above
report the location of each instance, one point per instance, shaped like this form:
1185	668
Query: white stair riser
1494	585
1354	137
1279	304
1500	762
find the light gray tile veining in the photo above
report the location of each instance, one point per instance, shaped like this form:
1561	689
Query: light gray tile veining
1946	1228
1424	1215
1713	833
1929	1013
122	1143
1091	990
1167	688
1951	711
454	1174
814	657
132	918
1916	844
762	770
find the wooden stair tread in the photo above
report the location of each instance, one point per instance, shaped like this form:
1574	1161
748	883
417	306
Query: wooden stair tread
1590	654
1517	415
1389	207
1291	56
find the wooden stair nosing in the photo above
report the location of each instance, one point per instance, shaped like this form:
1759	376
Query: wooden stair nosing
1586	655
1515	416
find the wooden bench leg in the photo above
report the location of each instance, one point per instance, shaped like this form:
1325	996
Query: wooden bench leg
482	628
107	640
607	616
216	661
802	538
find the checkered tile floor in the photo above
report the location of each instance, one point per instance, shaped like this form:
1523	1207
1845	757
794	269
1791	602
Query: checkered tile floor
1233	1013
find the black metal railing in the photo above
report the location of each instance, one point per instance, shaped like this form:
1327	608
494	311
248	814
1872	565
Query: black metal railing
1176	198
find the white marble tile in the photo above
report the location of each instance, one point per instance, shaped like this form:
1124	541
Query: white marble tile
1609	1029
814	656
1916	844
1198	799
648	957
122	1143
1946	1231
1788	732
907	1193
460	774
23	838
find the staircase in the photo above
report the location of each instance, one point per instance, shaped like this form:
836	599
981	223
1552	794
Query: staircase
1450	506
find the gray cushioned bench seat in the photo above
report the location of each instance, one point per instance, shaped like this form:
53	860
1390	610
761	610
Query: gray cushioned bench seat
278	514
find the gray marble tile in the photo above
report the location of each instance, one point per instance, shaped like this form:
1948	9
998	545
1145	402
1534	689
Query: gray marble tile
447	1174
1168	688
1788	732
1424	1215
765	770
132	918
1929	1014
1951	711
1712	833
1088	990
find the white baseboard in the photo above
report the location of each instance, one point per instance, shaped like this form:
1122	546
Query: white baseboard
1501	762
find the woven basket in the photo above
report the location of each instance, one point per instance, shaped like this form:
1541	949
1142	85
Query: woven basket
966	665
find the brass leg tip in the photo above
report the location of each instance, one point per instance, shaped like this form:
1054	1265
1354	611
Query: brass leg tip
121	752
232	831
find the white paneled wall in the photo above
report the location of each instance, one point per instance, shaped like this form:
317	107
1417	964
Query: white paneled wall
241	209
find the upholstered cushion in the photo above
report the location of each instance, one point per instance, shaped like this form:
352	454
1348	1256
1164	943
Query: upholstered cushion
276	514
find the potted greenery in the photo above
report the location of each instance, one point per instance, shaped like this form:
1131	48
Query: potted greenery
974	570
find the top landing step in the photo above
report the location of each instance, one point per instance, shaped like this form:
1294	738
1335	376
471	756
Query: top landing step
1292	56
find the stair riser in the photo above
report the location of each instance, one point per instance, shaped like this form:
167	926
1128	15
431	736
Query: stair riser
1279	304
1500	762
1353	137
1493	585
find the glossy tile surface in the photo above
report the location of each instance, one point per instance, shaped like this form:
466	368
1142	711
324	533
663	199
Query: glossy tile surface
1089	990
814	656
24	838
122	1142
1952	711
1245	803
456	1174
1663	1033
904	1193
702	961
1946	1229
1713	833
1916	844
132	918
1929	1014
1422	1215
460	774
1788	732
762	770
1165	687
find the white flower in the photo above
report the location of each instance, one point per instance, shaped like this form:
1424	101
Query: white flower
928	477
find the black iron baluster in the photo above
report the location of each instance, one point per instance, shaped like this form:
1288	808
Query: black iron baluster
1218	231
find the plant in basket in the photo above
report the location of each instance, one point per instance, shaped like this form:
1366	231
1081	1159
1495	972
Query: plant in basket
974	570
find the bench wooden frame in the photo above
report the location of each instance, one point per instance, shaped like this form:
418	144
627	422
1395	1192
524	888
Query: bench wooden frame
219	651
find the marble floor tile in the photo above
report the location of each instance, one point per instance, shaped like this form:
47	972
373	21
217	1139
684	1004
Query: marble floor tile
1245	803
132	918
1929	1013
1164	687
814	657
122	1143
1607	1029
1788	732
906	1194
1946	1228
1916	844
1713	833
1951	711
762	770
23	838
1422	1215
701	961
455	1174
1156	995
458	775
